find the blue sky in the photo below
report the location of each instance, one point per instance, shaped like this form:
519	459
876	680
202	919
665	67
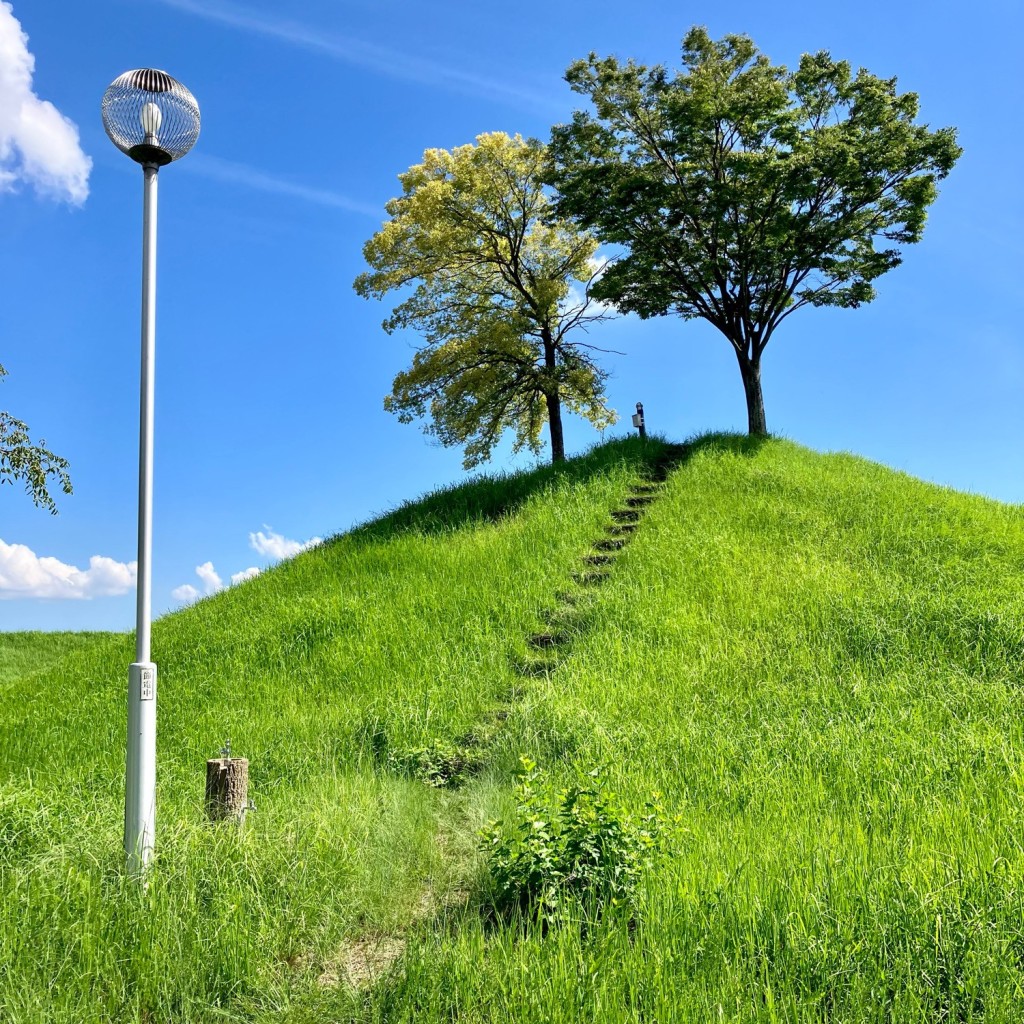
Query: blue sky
270	429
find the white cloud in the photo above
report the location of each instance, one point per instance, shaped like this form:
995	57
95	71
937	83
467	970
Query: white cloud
275	546
24	574
211	584
38	144
271	544
186	592
211	581
577	297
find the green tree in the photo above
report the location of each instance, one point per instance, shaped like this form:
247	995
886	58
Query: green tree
741	191
23	459
494	299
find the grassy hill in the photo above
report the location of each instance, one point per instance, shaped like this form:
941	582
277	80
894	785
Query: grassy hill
817	661
21	653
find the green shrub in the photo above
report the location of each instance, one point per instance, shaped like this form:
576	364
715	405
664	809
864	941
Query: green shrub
570	849
438	764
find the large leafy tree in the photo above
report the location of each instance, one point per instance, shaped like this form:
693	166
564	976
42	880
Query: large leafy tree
741	191
493	294
32	462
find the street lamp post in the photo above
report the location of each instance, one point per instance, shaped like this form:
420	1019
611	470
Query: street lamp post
154	119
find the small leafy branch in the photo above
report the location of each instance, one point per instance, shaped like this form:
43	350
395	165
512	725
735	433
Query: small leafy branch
573	848
21	458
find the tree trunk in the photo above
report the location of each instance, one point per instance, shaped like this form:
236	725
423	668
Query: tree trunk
555	427
554	403
227	788
750	370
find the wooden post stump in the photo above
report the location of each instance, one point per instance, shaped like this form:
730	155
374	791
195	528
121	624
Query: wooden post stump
227	788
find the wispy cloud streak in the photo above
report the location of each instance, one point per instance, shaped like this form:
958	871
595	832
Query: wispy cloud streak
359	53
232	173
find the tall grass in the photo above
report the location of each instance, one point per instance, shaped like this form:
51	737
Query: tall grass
819	663
22	653
816	660
395	635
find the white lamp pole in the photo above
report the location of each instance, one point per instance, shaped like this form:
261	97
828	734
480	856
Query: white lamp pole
154	119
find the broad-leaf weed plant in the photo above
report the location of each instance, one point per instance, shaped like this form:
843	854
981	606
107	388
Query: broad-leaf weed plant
571	852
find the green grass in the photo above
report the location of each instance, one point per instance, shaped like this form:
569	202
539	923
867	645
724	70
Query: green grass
22	653
816	660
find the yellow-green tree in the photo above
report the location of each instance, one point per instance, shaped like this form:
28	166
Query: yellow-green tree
492	275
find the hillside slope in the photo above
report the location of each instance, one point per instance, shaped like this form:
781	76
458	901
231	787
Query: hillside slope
816	660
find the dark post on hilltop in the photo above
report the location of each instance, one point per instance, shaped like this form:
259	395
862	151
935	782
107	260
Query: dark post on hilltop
638	419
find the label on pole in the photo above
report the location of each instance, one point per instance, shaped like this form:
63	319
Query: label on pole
147	684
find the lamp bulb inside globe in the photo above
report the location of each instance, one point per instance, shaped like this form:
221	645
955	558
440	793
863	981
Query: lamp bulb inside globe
151	118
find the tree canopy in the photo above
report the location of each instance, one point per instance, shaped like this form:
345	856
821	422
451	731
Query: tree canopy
742	191
500	293
29	461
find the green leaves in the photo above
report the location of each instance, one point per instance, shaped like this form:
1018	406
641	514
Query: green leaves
570	848
498	283
31	462
741	190
438	763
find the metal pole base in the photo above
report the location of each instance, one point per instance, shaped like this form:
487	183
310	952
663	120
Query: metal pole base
140	795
